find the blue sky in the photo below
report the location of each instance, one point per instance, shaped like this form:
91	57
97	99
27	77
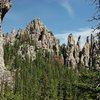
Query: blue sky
60	16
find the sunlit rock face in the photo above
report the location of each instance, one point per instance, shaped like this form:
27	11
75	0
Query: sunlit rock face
85	54
37	32
70	52
5	75
88	56
75	54
43	37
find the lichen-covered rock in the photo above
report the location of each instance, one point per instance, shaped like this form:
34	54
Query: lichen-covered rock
88	56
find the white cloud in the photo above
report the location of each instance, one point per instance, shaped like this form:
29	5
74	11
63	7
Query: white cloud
84	32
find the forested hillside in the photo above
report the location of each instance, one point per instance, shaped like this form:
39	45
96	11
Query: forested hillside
45	78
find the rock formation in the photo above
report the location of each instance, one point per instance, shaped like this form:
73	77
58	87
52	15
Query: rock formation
95	54
85	53
88	56
70	52
77	51
36	31
45	40
5	75
43	37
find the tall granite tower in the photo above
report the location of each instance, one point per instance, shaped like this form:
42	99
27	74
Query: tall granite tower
4	7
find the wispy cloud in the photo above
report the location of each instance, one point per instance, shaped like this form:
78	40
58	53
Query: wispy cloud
66	5
84	32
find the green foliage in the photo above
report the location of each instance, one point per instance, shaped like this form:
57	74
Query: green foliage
45	79
63	52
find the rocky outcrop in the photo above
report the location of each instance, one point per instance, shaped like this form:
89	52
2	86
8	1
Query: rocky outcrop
37	32
42	36
70	52
5	75
77	51
88	56
2	66
95	54
85	53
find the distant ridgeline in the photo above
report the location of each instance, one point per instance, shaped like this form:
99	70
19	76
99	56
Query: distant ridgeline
41	38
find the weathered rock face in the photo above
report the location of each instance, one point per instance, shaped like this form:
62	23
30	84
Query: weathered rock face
2	66
5	75
37	32
44	38
77	51
96	54
88	57
70	52
85	54
74	53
